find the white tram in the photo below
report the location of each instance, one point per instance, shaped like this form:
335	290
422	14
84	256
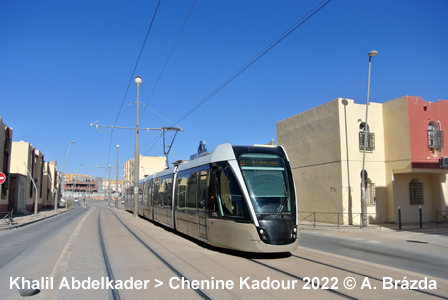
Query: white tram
238	197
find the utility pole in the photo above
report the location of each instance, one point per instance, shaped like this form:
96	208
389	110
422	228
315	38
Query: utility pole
138	81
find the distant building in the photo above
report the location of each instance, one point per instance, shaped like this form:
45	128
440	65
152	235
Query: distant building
77	185
148	165
405	159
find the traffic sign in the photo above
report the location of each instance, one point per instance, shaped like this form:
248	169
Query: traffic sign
2	177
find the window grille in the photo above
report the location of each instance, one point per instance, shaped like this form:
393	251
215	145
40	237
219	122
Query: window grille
371	194
370	146
435	139
416	192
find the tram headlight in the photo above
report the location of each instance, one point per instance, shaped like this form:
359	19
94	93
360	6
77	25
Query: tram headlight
264	236
294	233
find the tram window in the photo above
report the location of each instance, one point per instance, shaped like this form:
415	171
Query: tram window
156	191
267	181
229	194
191	193
181	191
202	189
168	183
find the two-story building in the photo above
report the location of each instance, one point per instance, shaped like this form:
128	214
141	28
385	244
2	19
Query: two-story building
404	158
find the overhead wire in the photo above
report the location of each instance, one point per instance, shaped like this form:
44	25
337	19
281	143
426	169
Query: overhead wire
280	38
132	77
168	58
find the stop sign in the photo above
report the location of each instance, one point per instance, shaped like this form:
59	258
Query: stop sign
2	177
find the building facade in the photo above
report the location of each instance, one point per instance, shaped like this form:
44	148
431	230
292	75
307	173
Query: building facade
27	168
148	165
404	151
5	162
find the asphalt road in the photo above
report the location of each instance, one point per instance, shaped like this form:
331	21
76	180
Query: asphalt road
415	252
33	250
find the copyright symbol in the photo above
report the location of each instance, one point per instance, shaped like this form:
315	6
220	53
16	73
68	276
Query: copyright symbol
349	283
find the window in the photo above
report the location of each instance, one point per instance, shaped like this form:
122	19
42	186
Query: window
435	136
370	142
267	182
229	195
416	192
371	193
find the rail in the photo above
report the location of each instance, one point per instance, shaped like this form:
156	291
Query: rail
337	220
441	217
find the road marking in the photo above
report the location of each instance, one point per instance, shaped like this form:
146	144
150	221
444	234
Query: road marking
61	265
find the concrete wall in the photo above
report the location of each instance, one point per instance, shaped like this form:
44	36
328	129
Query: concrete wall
312	141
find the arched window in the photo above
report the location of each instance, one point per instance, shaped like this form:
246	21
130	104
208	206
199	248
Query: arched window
370	145
435	136
416	192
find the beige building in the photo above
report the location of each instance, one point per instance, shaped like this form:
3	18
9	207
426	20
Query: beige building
27	168
403	153
5	161
50	181
148	165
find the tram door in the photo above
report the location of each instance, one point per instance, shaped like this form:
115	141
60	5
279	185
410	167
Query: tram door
202	198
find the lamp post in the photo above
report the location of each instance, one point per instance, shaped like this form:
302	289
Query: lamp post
138	81
366	131
116	183
61	179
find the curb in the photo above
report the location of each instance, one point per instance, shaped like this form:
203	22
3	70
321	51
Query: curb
9	227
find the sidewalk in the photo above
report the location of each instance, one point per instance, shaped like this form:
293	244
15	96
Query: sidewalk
23	220
388	227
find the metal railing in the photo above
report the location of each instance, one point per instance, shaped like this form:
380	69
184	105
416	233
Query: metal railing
337	220
441	217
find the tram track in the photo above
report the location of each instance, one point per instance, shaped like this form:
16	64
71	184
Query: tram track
114	292
349	272
170	266
363	275
173	259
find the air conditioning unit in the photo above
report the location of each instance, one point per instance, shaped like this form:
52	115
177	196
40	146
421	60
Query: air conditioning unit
444	162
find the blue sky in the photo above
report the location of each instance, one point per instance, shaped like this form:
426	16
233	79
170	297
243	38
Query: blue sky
67	64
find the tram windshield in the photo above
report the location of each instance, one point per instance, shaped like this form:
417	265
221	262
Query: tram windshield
267	181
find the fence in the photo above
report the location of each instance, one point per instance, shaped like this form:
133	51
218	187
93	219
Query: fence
332	219
441	217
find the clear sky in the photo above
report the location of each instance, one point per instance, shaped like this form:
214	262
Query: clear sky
67	64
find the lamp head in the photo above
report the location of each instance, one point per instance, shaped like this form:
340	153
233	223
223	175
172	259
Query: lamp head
138	80
373	53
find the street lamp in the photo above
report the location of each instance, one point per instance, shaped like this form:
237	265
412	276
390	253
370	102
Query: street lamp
138	81
364	172
116	183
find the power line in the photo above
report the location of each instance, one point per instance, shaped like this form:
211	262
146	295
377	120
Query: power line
258	56
132	77
168	58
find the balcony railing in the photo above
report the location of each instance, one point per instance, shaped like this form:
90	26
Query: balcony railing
337	220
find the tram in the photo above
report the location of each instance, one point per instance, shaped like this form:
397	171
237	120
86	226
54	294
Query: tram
237	197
